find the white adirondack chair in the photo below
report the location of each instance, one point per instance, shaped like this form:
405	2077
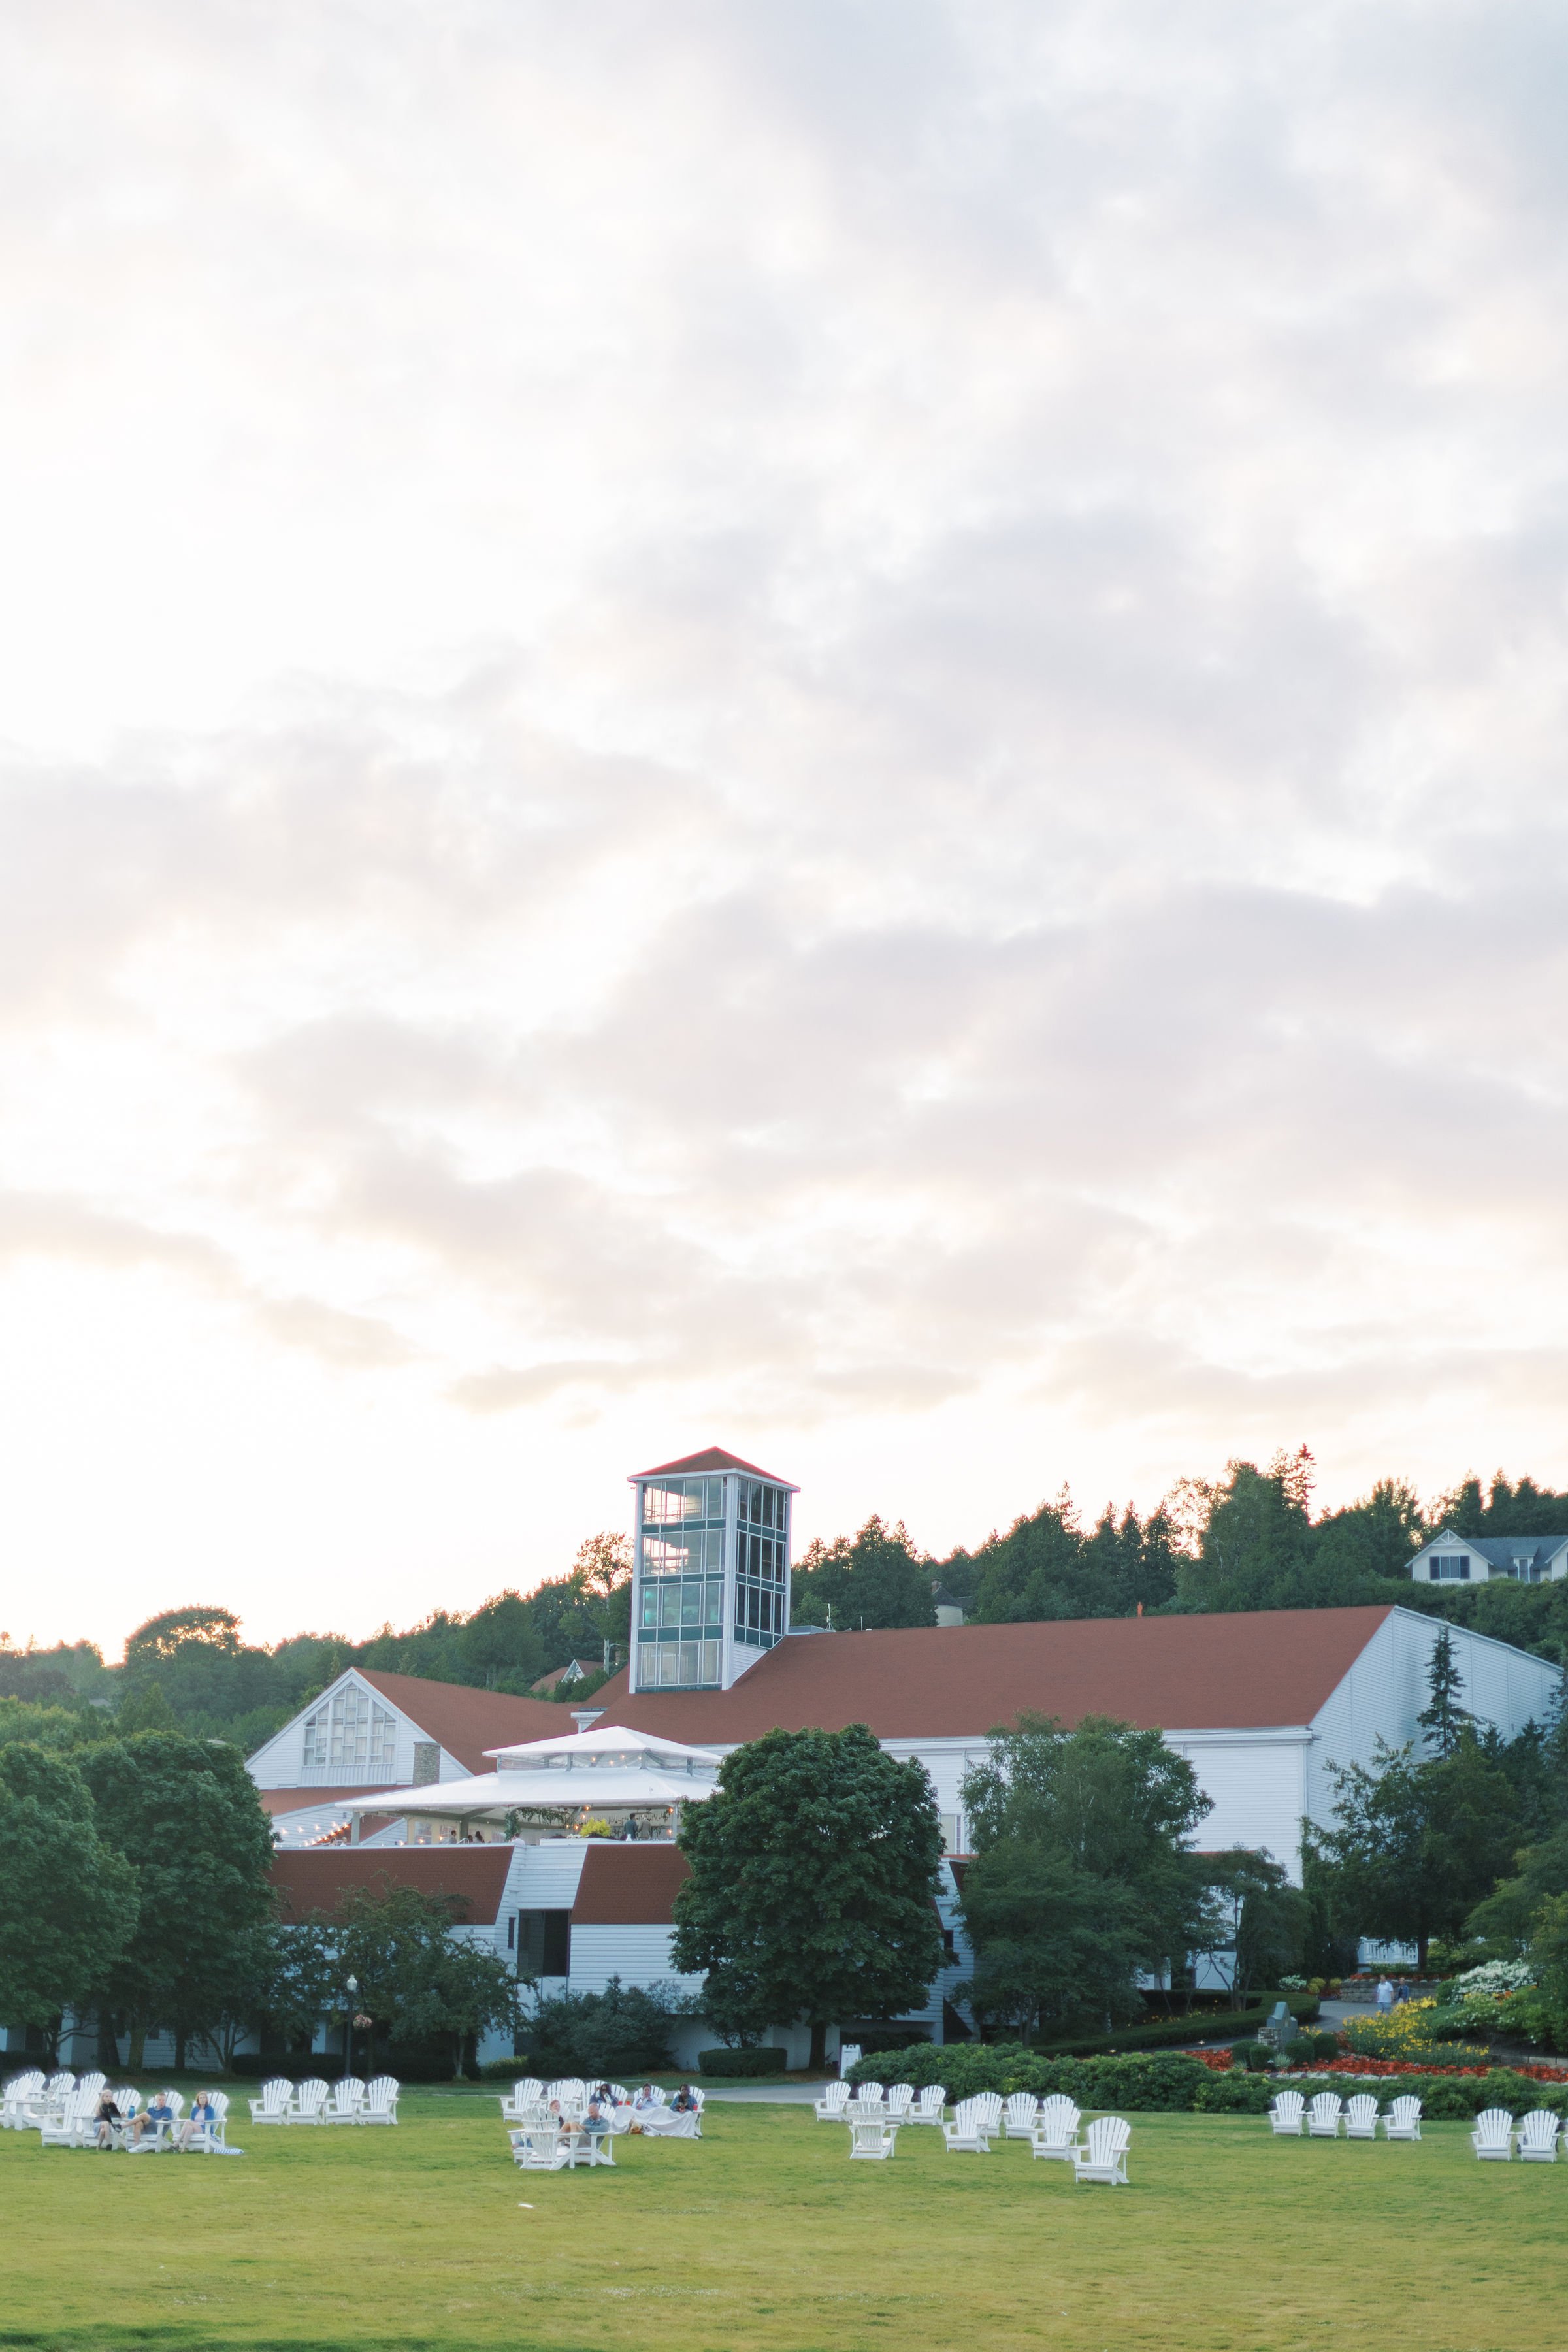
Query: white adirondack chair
1287	2114
1403	2120
1102	2155
347	2099
869	2095
20	2092
1538	2136
272	2106
875	2141
967	2134
1023	2114
1056	2131
1493	2135
990	2105
829	2108
540	2148
619	2095
928	2107
849	2055
1324	2114
74	2125
92	2082
900	2099
524	2095
1361	2116
380	2100
309	2103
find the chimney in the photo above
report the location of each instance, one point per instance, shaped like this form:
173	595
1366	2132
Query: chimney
583	1715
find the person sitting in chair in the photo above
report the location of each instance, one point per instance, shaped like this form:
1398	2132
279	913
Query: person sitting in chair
684	2102
108	2118
643	2105
201	2119
158	2112
596	2121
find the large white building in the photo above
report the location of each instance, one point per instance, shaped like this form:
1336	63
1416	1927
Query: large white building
1265	1706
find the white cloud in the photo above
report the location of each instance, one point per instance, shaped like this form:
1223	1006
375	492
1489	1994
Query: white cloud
833	726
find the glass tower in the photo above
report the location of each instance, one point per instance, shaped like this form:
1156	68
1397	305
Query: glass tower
711	1579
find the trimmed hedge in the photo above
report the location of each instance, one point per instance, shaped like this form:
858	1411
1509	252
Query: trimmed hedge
766	2060
1172	2083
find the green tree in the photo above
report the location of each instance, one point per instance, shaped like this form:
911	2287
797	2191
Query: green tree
812	1884
1444	1719
1255	1550
1369	1542
186	1816
144	1708
1266	1919
1507	1917
1416	1846
1082	1875
414	1977
68	1902
874	1579
162	1639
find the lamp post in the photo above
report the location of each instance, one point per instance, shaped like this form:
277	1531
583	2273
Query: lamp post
352	1988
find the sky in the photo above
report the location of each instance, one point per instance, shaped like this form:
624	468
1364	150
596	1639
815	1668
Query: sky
836	729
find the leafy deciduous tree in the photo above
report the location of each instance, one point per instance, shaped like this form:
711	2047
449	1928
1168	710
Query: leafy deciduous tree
1083	1876
812	1884
68	1902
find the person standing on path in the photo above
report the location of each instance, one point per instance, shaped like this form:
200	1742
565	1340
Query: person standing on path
1385	1996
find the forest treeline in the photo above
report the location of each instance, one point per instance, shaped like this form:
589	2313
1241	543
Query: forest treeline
1248	1540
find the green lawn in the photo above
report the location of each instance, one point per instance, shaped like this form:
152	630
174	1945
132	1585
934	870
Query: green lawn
764	2236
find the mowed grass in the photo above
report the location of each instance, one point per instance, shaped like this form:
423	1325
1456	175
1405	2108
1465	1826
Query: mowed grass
762	2235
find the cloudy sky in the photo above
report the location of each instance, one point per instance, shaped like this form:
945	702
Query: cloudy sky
834	725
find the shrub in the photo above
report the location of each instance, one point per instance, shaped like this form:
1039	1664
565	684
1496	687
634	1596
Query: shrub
768	2061
1233	2095
624	2030
1256	2057
1325	2045
1301	2049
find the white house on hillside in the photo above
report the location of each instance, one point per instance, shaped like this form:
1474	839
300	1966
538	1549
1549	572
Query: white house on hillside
1449	1558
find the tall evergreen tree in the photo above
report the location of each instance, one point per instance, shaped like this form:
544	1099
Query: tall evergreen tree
1442	1718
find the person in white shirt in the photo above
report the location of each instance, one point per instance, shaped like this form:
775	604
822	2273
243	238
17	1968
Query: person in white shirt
1385	1996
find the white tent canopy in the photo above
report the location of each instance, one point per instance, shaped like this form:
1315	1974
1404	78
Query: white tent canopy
530	1792
604	1745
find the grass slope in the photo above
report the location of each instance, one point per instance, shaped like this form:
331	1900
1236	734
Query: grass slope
764	2235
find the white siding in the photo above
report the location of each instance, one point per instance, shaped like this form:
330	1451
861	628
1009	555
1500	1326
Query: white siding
638	1955
1387	1688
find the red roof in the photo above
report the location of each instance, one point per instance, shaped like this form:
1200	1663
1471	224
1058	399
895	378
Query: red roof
625	1885
465	1721
304	1800
316	1877
712	1458
1236	1673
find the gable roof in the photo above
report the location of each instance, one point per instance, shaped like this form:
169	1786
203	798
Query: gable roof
1242	1672
625	1885
1499	1551
316	1878
713	1458
464	1721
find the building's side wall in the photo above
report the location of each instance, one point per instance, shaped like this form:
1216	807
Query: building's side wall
1388	1686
